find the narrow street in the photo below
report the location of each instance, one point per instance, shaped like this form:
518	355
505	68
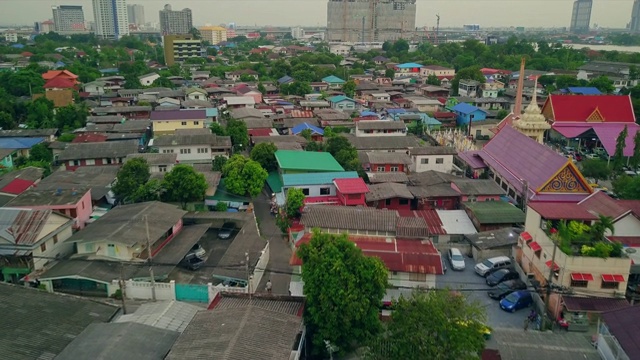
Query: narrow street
278	269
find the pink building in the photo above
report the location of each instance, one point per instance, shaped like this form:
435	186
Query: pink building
74	202
351	192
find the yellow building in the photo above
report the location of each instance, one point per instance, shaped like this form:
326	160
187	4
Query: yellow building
178	48
213	34
166	122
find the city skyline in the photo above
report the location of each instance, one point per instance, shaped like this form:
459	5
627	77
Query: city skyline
527	13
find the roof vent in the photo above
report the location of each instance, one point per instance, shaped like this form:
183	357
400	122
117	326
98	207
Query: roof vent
58	192
630	250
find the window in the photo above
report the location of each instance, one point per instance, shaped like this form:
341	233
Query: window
404	201
184	123
185	151
537	253
439	160
424	161
387	202
203	151
55	239
380	168
109	161
305	191
73	213
394	168
89	248
579	283
90	162
76	163
196	122
82	205
43	247
162	168
610	285
325	191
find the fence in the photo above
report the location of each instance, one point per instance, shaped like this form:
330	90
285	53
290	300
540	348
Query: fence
142	290
259	270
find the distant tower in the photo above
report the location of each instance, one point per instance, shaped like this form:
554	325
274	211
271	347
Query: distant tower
136	14
175	22
111	20
68	18
581	16
635	17
532	123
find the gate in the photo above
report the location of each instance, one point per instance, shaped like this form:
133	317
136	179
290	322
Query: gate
192	293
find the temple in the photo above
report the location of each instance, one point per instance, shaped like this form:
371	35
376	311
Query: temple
532	123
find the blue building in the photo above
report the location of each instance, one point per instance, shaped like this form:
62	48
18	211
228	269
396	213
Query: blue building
466	113
342	103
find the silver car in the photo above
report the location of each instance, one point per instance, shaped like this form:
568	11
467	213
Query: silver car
456	259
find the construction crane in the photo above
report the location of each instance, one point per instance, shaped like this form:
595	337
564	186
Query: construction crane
437	27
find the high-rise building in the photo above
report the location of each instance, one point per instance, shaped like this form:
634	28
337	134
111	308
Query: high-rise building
178	48
213	34
634	26
581	16
370	20
297	32
111	20
136	14
175	22
68	18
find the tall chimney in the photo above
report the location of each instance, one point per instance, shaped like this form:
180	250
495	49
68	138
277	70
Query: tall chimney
517	110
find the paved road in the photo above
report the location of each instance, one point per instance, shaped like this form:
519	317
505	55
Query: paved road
278	269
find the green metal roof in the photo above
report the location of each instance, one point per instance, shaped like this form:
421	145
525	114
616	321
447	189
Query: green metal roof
307	161
274	182
316	178
496	212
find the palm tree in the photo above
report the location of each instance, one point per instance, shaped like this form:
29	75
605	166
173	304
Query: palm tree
600	227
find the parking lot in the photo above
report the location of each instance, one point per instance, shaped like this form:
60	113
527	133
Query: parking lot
215	249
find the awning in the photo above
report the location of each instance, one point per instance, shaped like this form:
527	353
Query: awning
612	278
526	236
555	266
581	277
535	246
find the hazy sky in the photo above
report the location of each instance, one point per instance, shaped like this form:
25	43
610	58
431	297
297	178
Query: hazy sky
528	13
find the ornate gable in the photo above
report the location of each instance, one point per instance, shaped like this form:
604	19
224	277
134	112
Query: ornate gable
596	116
567	180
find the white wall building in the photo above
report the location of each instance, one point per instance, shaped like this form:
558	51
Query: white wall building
297	32
436	158
111	19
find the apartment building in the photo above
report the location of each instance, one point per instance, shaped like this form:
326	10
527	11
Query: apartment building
174	22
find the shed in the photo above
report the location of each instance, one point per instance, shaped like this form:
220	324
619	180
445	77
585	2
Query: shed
488	244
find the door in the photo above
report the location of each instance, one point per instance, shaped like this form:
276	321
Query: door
111	250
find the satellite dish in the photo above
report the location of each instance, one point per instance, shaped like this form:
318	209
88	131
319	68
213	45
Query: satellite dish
630	250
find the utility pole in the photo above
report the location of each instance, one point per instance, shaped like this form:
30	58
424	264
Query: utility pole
550	278
525	195
123	287
150	259
246	266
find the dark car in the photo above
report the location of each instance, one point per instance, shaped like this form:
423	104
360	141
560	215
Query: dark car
501	275
505	288
192	262
226	230
516	300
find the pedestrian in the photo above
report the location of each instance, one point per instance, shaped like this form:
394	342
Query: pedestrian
268	287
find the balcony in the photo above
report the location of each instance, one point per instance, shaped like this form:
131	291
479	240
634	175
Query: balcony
577	238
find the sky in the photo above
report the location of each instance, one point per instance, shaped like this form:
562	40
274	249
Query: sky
453	13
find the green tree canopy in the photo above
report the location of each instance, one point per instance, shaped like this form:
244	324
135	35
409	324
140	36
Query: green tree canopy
71	117
618	155
184	184
435	324
343	289
603	84
596	168
133	174
218	163
627	187
295	201
40	152
163	82
468	73
218	129
237	130
634	162
264	154
349	88
244	176
150	191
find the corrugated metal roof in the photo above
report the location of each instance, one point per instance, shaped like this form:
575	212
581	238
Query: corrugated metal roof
316	178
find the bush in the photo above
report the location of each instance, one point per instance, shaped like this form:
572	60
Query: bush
221	206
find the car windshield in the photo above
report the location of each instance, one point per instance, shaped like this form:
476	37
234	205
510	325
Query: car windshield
503	287
487	263
512	298
457	258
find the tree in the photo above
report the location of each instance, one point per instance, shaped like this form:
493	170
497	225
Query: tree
337	143
218	163
627	187
163	82
150	191
238	132
601	226
618	155
71	117
603	84
184	184
66	137
133	174
40	114
40	152
261	88
634	162
195	33
502	113
218	129
596	168
244	176
132	82
6	121
295	201
468	73
343	290
264	154
433	80
400	46
306	133
435	324
349	88
389	73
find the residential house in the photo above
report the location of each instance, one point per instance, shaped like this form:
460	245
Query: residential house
436	158
16	182
425	105
159	163
436	70
194	146
491	89
619	334
129	112
148	79
234	101
391	177
99	179
386	143
50	135
470	88
468	113
343	103
335	83
433	91
433	190
295	162
19	147
385	161
477	190
167	102
95	88
618	72
236	75
351	191
493	215
31	239
318	187
448	119
380	60
488	244
407	69
196	94
166	122
316	132
318	87
311	105
100	153
392	196
380	128
354	220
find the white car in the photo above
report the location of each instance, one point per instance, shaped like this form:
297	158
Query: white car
456	259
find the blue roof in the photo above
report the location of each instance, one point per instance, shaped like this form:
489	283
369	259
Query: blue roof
17	46
396	111
584	90
465	108
211	112
109	71
339	98
316	178
19	142
300	127
368	113
408	66
428	120
285	79
332	79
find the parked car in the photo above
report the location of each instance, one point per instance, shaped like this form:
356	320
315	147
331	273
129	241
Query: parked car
192	262
516	300
444	266
492	264
501	275
505	288
456	259
226	230
592	156
198	251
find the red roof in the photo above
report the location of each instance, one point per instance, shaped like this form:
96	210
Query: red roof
259	132
434	223
26	54
578	108
603	204
444	115
60	83
630	241
17	186
633	205
351	186
89	138
55	73
561	211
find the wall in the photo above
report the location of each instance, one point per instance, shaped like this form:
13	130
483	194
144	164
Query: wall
82	208
387	167
72	165
393	204
193	156
446	166
169	127
351	199
411	280
258	272
59	249
378	133
627	226
149	80
344	105
425	72
314	190
101	248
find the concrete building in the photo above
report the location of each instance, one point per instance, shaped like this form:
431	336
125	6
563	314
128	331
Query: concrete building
297	32
370	20
175	22
136	14
178	48
68	18
634	26
213	34
111	21
10	36
46	27
581	16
